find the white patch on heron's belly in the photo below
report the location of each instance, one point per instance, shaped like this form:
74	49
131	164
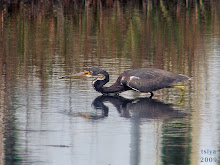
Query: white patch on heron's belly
134	77
134	88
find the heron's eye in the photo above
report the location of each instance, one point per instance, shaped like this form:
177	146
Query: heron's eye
88	72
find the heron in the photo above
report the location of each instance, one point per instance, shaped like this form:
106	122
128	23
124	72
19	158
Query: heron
145	80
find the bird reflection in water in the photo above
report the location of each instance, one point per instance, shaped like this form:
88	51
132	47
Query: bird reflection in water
132	108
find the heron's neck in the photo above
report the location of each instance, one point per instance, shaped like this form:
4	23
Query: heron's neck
99	86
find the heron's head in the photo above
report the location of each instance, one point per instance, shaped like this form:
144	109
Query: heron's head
99	73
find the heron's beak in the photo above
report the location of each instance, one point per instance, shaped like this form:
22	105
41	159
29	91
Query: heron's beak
81	74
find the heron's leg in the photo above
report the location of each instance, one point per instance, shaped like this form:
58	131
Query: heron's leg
182	101
151	95
181	87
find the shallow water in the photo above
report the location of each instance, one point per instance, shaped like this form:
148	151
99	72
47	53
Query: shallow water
47	120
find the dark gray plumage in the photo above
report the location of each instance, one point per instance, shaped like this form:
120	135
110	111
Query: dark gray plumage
142	80
150	79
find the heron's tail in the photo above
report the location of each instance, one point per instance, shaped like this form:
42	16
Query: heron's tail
182	77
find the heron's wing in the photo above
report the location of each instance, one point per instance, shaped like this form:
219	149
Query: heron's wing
147	85
147	80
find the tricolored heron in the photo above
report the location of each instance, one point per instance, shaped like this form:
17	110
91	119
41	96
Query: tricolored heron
141	80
